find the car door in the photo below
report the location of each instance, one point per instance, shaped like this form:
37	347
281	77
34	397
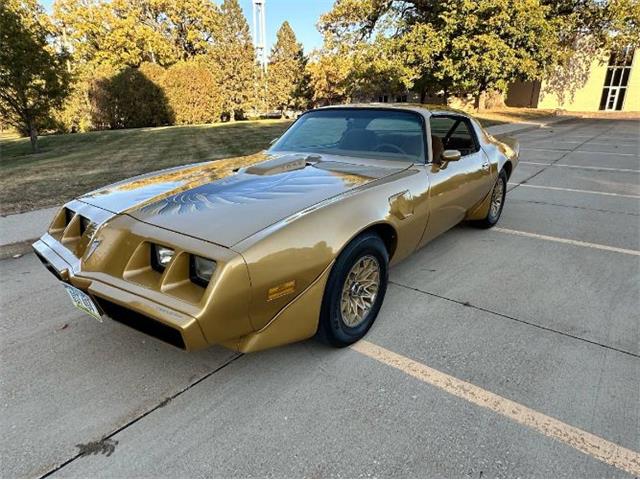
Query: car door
457	186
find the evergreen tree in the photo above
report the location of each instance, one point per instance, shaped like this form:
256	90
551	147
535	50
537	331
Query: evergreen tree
234	57
286	71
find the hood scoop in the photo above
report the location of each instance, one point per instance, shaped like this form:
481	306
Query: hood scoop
285	163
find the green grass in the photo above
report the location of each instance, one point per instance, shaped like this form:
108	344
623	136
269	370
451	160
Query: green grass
69	165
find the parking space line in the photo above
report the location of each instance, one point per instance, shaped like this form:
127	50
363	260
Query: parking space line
577	151
568	241
575	190
583	441
584	167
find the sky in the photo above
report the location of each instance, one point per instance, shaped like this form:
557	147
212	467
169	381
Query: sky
301	14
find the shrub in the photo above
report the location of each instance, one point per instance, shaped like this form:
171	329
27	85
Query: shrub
193	93
129	99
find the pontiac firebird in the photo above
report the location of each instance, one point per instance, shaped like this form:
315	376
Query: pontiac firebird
276	247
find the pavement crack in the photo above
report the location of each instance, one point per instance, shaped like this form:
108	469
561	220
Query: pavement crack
515	319
107	445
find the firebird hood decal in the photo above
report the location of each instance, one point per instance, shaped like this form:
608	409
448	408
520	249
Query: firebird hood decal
220	202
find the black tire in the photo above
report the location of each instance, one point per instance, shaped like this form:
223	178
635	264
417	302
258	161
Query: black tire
493	215
333	329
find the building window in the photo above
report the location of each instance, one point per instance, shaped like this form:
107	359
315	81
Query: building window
616	80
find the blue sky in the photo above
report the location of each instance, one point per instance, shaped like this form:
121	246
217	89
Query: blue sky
301	14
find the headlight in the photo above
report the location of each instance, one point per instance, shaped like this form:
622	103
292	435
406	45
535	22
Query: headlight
201	270
68	216
84	224
161	257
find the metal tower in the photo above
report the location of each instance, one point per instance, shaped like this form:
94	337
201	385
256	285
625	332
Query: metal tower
259	32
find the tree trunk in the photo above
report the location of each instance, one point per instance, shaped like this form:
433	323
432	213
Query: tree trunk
232	115
423	95
33	135
480	101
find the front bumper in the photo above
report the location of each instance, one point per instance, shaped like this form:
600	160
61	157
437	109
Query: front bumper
110	260
51	260
136	311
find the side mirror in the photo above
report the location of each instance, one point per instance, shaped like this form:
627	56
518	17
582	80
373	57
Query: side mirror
450	156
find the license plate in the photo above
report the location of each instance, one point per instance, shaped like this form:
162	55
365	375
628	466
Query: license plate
83	302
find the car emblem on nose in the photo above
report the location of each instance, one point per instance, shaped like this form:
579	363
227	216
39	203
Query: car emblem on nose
92	248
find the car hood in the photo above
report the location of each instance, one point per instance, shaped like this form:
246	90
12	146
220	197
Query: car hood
226	201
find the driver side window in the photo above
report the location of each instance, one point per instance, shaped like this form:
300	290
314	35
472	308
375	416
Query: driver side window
452	133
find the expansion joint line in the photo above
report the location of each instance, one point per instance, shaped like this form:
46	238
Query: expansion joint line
515	319
148	412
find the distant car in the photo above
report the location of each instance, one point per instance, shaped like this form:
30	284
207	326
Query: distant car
279	246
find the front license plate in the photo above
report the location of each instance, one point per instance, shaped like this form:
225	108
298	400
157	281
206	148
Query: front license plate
83	302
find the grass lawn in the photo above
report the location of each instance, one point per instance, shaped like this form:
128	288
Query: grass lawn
70	165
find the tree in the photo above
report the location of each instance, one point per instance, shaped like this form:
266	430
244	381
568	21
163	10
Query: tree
192	90
493	42
328	76
480	45
286	70
451	45
234	57
33	77
123	33
131	98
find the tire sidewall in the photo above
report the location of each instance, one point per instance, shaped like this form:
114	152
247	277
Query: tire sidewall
501	178
337	331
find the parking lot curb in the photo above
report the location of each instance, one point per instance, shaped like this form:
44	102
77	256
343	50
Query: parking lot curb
18	248
520	127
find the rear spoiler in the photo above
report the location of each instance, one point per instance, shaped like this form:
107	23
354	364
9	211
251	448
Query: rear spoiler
512	143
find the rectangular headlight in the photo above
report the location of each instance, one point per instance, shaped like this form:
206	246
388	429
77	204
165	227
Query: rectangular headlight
201	270
161	257
84	224
68	216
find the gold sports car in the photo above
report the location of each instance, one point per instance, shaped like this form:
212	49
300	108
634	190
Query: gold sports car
276	247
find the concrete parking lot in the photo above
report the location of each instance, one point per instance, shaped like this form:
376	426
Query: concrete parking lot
511	352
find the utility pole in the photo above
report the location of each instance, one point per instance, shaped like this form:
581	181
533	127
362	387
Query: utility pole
259	32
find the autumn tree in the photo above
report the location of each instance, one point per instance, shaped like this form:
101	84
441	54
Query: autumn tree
130	32
192	90
33	77
456	46
286	71
329	78
234	58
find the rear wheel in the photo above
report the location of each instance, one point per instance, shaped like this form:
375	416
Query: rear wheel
354	292
498	195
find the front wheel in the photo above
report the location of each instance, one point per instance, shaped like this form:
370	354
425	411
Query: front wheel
354	292
498	196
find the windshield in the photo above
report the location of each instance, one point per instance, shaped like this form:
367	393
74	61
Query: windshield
367	133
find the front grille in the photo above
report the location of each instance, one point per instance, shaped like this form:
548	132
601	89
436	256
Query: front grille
141	323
